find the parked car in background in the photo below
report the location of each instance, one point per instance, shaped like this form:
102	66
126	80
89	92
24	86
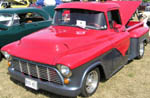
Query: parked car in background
18	22
144	17
20	4
50	10
146	12
4	4
15	4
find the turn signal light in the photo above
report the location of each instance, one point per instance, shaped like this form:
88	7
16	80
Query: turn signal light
9	63
66	81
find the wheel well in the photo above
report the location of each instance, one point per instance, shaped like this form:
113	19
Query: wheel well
102	74
145	42
1	56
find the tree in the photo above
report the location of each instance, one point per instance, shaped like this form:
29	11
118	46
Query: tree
146	0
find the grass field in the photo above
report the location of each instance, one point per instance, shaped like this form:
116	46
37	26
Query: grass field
133	81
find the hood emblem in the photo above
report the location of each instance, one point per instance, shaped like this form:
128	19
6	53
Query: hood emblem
80	32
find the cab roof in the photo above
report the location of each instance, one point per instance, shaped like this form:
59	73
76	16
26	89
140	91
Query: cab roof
96	6
126	8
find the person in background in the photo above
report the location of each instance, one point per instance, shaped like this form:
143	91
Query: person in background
52	2
49	2
58	2
40	2
145	20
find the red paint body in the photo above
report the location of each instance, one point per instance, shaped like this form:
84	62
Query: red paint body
73	46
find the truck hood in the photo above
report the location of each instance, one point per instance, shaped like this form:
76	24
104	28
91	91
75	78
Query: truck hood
127	9
47	46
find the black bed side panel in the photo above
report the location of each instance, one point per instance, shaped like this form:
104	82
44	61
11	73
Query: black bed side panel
134	46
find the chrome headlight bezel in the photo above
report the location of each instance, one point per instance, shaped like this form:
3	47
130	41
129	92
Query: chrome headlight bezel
64	70
6	55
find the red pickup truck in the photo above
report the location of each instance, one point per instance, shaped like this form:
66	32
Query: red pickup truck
88	42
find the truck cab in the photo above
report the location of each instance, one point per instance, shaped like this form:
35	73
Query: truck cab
86	43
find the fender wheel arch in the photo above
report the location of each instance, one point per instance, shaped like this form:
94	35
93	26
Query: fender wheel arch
87	88
101	75
141	50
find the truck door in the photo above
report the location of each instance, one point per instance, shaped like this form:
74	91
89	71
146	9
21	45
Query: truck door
119	39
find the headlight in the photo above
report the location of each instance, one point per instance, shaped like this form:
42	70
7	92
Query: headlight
6	55
65	71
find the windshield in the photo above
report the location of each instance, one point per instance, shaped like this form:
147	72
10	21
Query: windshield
6	19
80	18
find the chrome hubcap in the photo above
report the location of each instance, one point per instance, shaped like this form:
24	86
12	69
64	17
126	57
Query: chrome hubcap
141	51
91	81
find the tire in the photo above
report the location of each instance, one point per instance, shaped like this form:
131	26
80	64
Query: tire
90	83
141	50
1	56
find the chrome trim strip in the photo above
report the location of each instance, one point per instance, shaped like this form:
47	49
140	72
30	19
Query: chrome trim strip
38	73
61	77
28	69
48	74
20	65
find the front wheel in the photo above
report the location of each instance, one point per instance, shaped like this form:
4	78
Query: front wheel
141	50
90	83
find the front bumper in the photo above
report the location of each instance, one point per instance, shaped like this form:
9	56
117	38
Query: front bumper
63	90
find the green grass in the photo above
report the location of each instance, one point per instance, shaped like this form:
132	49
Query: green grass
131	75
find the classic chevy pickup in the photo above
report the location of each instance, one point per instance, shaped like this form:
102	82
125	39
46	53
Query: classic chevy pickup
87	42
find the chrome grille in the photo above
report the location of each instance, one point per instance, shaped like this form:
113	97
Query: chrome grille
36	70
32	70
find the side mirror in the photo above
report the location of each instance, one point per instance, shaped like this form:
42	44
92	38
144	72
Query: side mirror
119	28
3	27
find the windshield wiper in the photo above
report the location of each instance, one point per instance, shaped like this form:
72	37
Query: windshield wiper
91	27
78	26
87	26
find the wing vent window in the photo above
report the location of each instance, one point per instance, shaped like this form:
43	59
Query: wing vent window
113	16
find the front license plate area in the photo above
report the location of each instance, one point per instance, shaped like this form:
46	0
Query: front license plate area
31	83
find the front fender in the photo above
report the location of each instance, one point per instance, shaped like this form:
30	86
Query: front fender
78	74
82	55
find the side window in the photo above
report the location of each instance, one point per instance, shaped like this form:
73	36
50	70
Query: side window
30	17
113	17
16	19
6	19
103	22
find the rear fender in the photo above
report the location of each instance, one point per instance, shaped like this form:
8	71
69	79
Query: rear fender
134	45
138	32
